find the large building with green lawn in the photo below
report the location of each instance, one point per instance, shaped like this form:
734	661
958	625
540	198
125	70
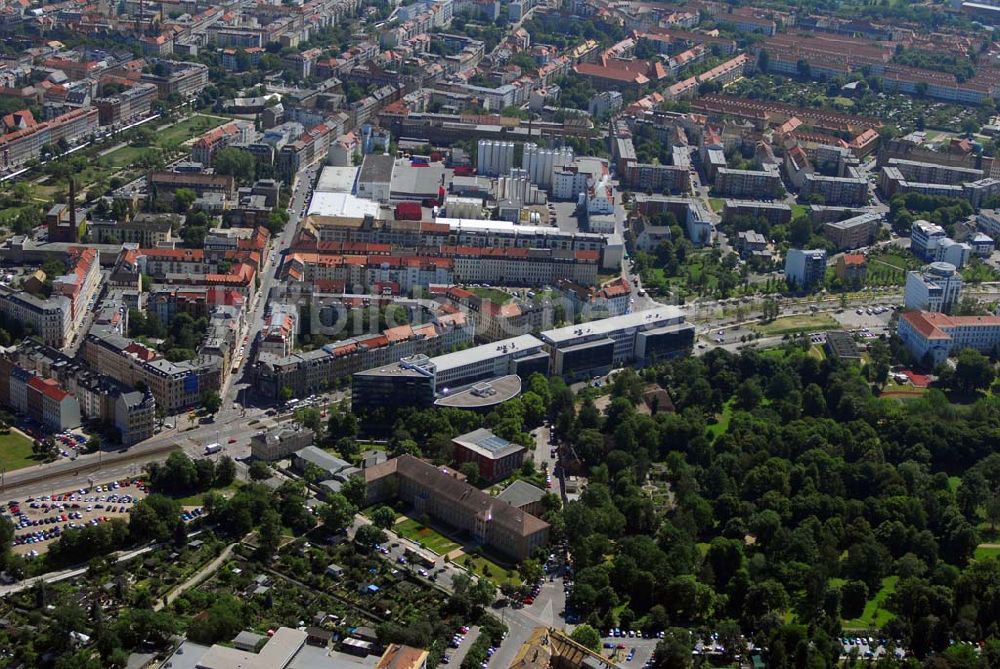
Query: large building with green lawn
441	495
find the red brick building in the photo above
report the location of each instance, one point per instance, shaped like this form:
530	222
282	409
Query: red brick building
497	458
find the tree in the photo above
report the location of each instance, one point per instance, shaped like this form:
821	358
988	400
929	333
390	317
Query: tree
285	394
259	471
236	163
310	417
177	476
674	650
337	513
587	636
153	518
471	471
763	60
6	536
973	371
354	490
531	571
853	595
136	627
223	621
369	535
800	231
749	395
268	534
880	361
383	516
183	199
225	471
211	401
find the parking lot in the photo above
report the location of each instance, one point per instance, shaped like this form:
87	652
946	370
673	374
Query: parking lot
874	318
871	648
629	651
38	521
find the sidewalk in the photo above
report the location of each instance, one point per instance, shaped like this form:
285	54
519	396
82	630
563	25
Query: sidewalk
196	578
57	576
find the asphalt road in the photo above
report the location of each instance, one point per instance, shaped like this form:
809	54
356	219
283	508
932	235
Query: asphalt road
544	612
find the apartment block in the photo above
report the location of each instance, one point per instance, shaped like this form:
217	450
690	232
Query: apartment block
937	287
925	238
135	416
313	371
277	337
763	183
50	319
163	185
805	268
20	146
50	405
146	230
179	78
129	105
775	213
854	232
175	386
849	191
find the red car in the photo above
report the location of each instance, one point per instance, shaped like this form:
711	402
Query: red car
232	440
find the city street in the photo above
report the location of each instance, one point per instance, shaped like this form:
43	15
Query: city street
544	612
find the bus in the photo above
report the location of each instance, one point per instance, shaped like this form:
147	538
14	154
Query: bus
419	558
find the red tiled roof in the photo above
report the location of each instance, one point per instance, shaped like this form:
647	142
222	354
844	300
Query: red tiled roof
932	325
918	380
48	387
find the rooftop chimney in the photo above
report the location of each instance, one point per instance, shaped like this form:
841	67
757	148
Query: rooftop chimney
72	206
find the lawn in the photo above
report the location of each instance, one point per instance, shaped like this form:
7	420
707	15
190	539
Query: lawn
874	616
986	551
796	324
486	568
8	215
427	537
494	295
122	157
199	498
800	210
717	203
722	423
189	128
15	452
902	392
